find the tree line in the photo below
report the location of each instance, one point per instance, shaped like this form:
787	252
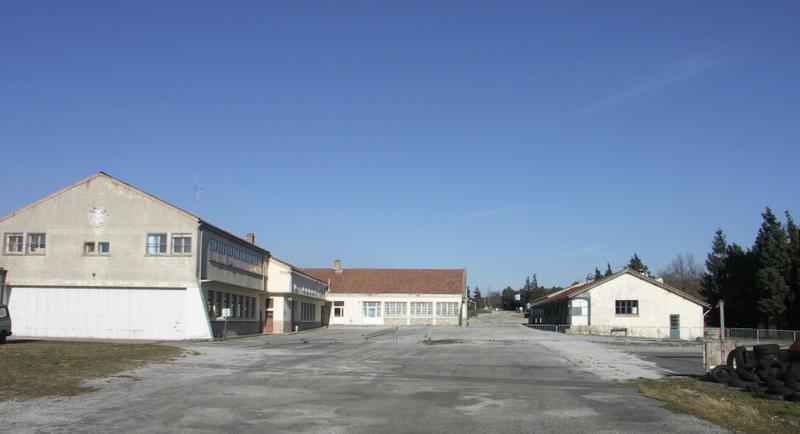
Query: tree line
761	284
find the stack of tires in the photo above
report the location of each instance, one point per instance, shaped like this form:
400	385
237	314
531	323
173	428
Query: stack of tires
760	372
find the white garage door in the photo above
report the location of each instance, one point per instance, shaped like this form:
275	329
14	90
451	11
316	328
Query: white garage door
109	313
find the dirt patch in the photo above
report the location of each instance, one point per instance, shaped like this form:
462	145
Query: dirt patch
33	369
728	407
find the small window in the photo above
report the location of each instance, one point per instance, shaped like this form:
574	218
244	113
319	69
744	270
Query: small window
181	244
338	309
89	248
3	312
14	243
36	244
156	244
627	307
103	247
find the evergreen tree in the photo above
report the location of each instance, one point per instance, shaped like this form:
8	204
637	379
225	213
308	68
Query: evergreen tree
476	296
714	278
597	274
793	278
771	251
636	264
608	270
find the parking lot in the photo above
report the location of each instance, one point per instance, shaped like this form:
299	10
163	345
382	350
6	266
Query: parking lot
495	376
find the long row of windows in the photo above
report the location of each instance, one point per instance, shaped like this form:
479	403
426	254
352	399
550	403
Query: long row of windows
372	309
241	306
228	255
19	244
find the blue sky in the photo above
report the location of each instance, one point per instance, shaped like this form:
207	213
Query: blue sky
505	137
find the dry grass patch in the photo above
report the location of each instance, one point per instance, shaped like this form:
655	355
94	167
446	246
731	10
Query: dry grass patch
728	407
32	369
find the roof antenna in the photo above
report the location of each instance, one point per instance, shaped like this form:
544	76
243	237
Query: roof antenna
198	189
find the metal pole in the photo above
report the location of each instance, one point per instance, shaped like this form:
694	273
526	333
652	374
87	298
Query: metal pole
722	320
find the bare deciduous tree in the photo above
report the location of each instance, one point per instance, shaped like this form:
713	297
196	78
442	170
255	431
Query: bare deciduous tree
684	273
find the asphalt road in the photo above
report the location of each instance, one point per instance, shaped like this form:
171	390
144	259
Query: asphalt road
500	377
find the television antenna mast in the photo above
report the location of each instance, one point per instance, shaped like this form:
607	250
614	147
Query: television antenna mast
198	190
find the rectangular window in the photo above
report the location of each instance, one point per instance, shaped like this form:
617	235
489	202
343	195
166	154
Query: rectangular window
156	244
181	244
14	243
36	244
253	307
218	305
372	309
338	309
396	308
447	308
307	312
627	307
421	308
211	308
89	248
103	247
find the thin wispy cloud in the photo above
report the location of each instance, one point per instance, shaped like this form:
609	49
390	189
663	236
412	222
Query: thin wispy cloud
493	212
670	76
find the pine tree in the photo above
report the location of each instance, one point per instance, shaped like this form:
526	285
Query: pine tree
597	274
637	264
714	278
608	270
476	295
771	251
793	277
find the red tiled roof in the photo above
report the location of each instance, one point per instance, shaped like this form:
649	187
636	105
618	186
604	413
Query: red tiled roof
561	295
392	280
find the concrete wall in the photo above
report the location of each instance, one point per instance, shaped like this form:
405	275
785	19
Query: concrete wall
655	307
130	217
353	309
109	313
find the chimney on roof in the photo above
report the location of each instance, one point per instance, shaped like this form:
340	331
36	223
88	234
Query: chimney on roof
251	238
337	266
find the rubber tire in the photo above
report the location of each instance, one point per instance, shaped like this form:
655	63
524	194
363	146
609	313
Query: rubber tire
742	360
756	388
729	362
747	375
777	387
770	369
766	350
722	374
2	337
770	396
742	384
792	378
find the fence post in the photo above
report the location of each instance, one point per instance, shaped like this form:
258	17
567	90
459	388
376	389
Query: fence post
757	338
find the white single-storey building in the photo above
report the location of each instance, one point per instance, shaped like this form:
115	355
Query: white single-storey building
297	299
388	296
626	301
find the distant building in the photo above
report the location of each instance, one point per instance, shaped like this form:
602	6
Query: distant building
385	296
626	301
103	259
297	299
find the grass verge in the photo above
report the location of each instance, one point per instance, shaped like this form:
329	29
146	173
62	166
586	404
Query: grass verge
33	369
728	407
